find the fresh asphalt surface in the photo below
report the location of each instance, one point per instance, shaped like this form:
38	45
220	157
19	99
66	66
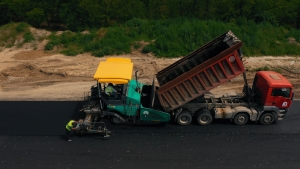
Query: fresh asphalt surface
31	136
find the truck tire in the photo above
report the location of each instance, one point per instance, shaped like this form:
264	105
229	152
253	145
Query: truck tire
266	118
240	119
184	118
204	118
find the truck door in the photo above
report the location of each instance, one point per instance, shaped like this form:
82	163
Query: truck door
281	97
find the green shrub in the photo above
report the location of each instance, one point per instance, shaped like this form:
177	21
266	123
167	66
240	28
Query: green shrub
53	41
265	68
98	53
136	45
28	36
21	27
72	51
147	48
278	70
104	51
11	32
179	37
49	46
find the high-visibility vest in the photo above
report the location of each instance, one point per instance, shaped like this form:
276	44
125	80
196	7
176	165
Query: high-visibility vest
109	89
69	126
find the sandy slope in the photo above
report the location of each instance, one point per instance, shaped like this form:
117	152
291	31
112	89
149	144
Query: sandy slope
28	74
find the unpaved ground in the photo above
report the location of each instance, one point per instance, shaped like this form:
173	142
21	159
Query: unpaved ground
28	74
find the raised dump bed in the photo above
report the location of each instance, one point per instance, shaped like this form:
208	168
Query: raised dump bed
200	71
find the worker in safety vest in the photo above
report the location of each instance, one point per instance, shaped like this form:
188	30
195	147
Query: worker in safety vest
70	129
109	90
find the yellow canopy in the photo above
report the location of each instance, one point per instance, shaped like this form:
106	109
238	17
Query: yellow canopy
112	59
114	70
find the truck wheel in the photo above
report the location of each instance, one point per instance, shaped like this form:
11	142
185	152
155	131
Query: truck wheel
240	119
204	118
184	118
267	118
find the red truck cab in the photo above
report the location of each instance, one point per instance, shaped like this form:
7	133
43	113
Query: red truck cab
272	89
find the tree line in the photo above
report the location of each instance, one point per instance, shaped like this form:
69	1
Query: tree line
77	15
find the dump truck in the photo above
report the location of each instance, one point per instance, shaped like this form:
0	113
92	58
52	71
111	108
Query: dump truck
183	91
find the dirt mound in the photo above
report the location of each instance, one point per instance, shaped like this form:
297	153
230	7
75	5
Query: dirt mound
28	70
30	55
28	74
2	77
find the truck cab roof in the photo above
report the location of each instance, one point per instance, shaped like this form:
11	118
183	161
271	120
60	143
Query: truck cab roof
275	79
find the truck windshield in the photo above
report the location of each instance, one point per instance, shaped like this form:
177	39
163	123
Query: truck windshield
285	92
